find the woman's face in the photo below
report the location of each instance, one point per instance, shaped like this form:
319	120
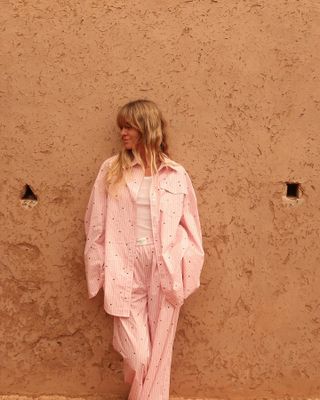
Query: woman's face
130	136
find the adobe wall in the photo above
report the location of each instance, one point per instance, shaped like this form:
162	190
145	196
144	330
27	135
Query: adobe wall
238	82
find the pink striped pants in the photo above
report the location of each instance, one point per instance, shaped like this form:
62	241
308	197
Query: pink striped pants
145	338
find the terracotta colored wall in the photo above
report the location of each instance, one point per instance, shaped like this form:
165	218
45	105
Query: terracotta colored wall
239	84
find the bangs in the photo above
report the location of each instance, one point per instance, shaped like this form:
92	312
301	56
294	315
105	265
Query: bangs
126	117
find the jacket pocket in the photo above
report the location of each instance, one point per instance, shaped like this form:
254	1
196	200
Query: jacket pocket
173	186
171	199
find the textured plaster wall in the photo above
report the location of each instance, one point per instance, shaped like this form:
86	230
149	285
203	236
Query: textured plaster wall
239	84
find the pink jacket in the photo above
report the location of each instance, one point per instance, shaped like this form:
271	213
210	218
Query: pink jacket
110	236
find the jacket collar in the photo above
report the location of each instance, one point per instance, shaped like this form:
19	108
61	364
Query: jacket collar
134	181
164	164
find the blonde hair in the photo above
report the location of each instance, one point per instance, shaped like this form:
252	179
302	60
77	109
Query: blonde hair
146	117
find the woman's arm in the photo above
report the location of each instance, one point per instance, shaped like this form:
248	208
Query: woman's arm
94	224
193	258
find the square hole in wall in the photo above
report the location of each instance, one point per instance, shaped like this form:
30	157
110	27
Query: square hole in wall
293	190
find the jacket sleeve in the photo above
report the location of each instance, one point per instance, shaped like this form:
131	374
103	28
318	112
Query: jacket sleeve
193	258
94	224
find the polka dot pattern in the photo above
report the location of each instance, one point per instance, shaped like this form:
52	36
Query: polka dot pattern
109	252
145	338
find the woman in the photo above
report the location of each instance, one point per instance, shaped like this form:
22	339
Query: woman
144	247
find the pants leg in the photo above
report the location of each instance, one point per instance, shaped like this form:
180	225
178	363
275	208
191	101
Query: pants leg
145	338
